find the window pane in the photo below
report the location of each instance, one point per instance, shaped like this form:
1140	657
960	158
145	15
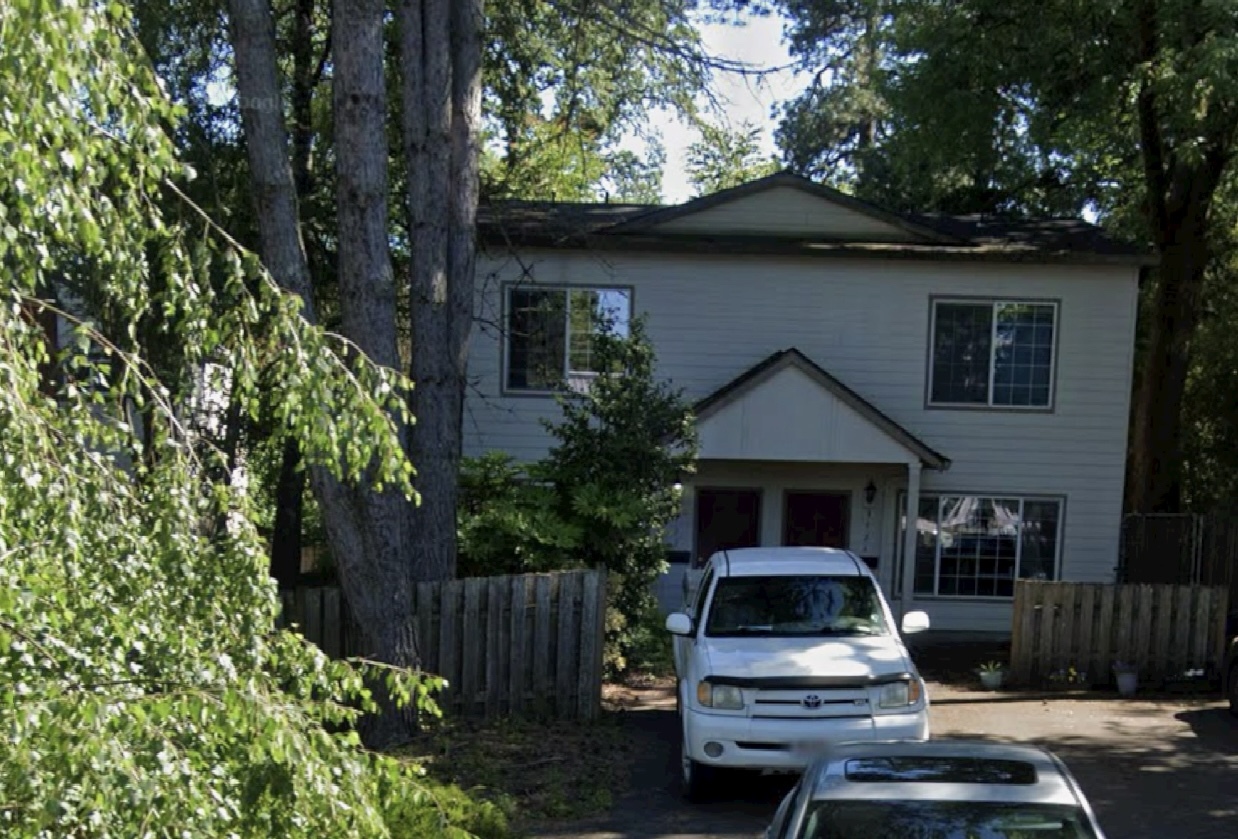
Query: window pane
536	337
962	338
978	546
592	309
926	546
1040	536
1023	355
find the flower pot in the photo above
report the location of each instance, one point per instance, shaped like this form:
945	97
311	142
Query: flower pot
1127	682
992	679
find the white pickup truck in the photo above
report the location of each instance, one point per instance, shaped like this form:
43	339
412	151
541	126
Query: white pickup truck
781	650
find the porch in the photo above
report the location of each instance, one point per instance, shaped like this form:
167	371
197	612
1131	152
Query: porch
789	455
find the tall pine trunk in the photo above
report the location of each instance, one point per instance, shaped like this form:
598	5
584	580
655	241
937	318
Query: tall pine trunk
366	530
1154	476
440	51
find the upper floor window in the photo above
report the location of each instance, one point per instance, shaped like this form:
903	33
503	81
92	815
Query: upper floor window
550	333
992	353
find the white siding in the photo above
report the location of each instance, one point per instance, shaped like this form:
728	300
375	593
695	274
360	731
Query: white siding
866	322
792	417
785	211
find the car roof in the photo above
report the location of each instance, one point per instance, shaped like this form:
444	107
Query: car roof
1015	773
752	562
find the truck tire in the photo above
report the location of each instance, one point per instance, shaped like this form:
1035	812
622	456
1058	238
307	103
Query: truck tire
1231	688
697	779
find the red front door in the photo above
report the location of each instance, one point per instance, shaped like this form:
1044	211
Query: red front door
815	519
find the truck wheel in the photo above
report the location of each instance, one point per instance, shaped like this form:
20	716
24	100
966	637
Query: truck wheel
1231	690
697	778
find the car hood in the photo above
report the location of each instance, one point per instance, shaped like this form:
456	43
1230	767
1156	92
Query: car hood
758	658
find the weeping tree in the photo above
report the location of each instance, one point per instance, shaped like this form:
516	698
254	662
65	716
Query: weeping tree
144	689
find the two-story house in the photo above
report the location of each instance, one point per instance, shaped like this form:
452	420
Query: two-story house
853	370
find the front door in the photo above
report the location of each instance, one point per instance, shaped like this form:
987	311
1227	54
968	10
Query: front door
815	519
726	518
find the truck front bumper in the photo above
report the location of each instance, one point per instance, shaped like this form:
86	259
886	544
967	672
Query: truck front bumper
738	742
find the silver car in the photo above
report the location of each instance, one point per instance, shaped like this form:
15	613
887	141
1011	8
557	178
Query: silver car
945	789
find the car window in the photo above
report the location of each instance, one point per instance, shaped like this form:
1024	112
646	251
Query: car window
882	819
796	606
698	608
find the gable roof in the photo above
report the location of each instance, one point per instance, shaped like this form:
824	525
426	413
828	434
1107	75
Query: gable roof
659	228
913	229
769	367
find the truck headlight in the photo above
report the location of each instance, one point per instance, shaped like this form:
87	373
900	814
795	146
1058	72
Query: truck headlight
899	694
721	697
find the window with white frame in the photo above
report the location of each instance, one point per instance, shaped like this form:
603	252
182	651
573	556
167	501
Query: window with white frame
977	546
550	333
994	353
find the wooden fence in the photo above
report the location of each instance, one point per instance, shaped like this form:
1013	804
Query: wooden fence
1164	629
528	644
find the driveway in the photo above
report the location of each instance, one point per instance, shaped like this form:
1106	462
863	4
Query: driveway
1151	768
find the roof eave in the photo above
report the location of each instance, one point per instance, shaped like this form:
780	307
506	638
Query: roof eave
770	245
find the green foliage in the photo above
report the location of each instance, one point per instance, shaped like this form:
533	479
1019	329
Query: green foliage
144	691
602	497
564	81
508	521
619	452
726	157
442	811
1210	409
649	648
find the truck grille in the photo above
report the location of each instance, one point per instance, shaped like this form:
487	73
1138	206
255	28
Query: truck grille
809	704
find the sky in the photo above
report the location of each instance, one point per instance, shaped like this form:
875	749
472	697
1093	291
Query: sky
759	43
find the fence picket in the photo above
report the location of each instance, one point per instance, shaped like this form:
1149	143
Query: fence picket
1143	627
472	627
1160	628
586	696
1163	632
1022	646
1048	627
543	639
450	641
567	644
1064	644
518	596
1086	594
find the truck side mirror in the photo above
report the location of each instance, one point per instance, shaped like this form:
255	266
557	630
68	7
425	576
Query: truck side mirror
677	623
915	622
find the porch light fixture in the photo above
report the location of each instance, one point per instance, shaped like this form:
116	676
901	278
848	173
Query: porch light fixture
870	492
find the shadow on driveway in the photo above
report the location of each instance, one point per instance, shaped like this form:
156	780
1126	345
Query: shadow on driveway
652	807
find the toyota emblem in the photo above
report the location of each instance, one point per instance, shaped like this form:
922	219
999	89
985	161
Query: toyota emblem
812	701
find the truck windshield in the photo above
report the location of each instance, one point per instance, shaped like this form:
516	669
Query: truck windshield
795	606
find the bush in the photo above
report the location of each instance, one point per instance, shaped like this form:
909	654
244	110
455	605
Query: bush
602	497
430	810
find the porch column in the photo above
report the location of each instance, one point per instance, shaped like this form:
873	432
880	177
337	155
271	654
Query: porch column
909	538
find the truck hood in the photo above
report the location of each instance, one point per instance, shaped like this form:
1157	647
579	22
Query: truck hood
856	657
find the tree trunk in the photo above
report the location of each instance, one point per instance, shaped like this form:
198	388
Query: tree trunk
440	44
289	513
366	530
1154	478
370	527
286	542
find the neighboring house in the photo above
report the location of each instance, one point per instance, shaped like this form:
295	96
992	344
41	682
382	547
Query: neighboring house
852	369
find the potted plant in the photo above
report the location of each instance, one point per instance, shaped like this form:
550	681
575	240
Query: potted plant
992	674
1127	675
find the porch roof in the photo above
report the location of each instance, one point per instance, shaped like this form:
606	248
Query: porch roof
787	407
